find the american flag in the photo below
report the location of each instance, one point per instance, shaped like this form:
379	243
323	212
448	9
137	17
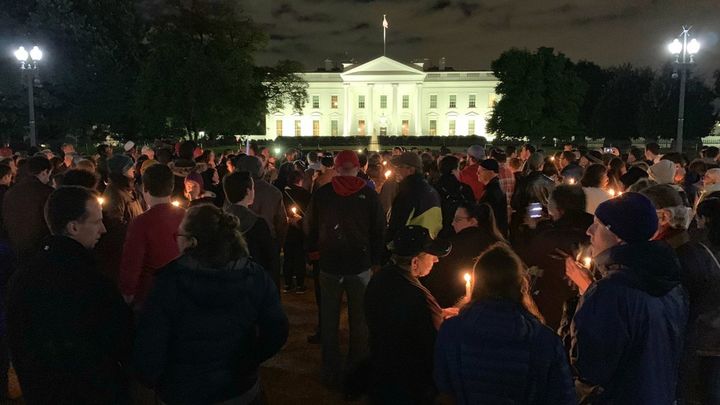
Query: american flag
385	23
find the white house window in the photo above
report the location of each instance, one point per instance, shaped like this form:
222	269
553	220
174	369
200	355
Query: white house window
361	127
433	101
471	127
316	101
383	101
433	127
451	127
471	101
298	128
334	128
406	102
278	128
453	101
333	102
361	102
405	127
492	99
316	128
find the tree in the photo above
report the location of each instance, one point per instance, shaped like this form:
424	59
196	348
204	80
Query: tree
659	109
596	78
540	96
213	85
616	114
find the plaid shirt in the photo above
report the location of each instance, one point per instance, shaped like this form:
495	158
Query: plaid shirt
507	181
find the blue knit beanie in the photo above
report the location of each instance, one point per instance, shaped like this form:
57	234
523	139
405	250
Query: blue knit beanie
631	216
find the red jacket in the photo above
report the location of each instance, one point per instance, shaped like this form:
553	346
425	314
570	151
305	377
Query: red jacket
469	176
149	245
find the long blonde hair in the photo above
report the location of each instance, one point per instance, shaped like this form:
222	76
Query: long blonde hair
500	274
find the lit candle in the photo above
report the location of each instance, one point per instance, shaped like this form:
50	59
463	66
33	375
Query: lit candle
611	192
388	174
176	203
384	162
101	200
571	181
359	150
294	210
552	158
587	261
468	288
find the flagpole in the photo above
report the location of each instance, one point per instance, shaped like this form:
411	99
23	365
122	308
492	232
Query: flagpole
384	36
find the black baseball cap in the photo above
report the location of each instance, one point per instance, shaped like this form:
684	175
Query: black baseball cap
413	239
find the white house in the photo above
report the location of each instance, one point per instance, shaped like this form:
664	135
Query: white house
387	97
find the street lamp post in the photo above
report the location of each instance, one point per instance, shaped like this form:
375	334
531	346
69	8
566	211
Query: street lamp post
28	66
684	52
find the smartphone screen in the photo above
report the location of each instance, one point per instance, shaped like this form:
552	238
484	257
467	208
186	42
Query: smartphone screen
535	210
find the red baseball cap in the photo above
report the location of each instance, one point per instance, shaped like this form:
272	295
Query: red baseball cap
347	159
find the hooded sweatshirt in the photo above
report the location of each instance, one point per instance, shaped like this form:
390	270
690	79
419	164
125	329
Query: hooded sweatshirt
260	243
640	300
345	226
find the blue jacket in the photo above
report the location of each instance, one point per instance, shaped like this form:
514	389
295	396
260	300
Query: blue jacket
495	352
205	331
629	326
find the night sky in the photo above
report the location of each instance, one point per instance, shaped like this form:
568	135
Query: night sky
471	33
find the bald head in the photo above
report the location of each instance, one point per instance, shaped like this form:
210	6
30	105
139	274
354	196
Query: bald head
712	176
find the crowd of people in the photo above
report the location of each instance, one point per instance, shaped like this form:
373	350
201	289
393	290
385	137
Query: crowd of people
509	274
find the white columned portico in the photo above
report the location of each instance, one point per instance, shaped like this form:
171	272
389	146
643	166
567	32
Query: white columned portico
394	118
346	108
418	110
370	124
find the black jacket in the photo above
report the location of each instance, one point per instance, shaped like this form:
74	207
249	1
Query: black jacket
535	187
204	331
446	281
403	319
452	192
549	287
69	328
495	197
345	225
417	203
261	245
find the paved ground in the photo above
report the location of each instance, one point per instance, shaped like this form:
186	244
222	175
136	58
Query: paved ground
293	376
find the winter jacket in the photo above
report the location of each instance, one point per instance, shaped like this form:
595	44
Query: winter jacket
24	215
204	331
452	193
549	286
150	244
495	352
70	331
629	326
468	175
446	281
345	225
535	187
261	245
700	275
403	319
3	231
417	203
269	205
496	199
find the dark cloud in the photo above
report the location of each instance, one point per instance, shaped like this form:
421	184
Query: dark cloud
440	5
361	26
283	9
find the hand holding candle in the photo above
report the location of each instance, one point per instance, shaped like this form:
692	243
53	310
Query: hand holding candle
468	286
571	181
388	173
176	203
587	261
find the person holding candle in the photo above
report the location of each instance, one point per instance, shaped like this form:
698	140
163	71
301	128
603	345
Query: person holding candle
403	318
474	231
639	298
497	349
296	200
594	183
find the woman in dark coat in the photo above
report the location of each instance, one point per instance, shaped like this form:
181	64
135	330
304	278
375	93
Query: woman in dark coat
497	350
475	231
212	317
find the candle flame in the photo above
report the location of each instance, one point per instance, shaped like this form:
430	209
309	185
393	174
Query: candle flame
384	162
611	192
176	203
571	181
294	210
388	174
101	200
552	158
587	261
467	277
